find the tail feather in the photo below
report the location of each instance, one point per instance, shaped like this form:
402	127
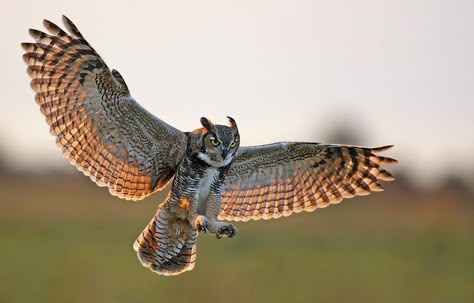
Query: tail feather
167	245
184	261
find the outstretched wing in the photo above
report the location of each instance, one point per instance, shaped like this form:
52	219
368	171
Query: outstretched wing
275	180
103	131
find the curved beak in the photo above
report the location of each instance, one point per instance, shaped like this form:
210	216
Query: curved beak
225	152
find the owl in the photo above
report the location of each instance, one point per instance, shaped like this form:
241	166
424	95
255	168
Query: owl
108	136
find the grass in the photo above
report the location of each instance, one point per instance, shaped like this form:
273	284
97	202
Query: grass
64	240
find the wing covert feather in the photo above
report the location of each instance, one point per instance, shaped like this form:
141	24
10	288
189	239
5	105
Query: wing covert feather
101	129
274	180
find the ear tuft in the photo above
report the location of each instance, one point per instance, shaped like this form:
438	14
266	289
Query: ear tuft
232	122
207	124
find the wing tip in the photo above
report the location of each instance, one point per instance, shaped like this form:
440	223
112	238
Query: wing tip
48	24
385	176
26	58
384	160
27	46
381	148
35	33
71	27
65	19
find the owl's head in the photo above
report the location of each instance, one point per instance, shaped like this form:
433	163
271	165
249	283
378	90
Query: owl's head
217	144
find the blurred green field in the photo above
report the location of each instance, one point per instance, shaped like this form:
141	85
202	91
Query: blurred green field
65	240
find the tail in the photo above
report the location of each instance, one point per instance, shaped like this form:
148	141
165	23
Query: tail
168	244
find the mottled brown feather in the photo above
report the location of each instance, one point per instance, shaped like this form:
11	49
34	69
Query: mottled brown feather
103	131
274	180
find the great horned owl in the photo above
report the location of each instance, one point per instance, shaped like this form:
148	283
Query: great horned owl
108	136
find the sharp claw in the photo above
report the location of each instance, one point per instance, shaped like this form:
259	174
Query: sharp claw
202	226
228	231
233	232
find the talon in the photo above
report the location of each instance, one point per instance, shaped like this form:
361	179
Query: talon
233	232
202	224
221	232
228	230
201	228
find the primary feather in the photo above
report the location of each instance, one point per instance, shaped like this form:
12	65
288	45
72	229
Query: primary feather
101	129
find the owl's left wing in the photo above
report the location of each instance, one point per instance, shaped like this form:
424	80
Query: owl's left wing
274	180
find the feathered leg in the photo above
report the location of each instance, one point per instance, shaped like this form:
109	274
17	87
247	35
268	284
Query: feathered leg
216	227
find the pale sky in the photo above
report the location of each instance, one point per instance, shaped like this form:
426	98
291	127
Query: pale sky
285	70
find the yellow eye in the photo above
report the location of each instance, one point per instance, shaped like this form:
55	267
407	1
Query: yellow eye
215	142
233	144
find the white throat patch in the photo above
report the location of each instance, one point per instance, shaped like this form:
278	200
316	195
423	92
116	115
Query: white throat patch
212	163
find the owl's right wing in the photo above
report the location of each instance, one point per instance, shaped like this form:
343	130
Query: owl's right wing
274	180
103	131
